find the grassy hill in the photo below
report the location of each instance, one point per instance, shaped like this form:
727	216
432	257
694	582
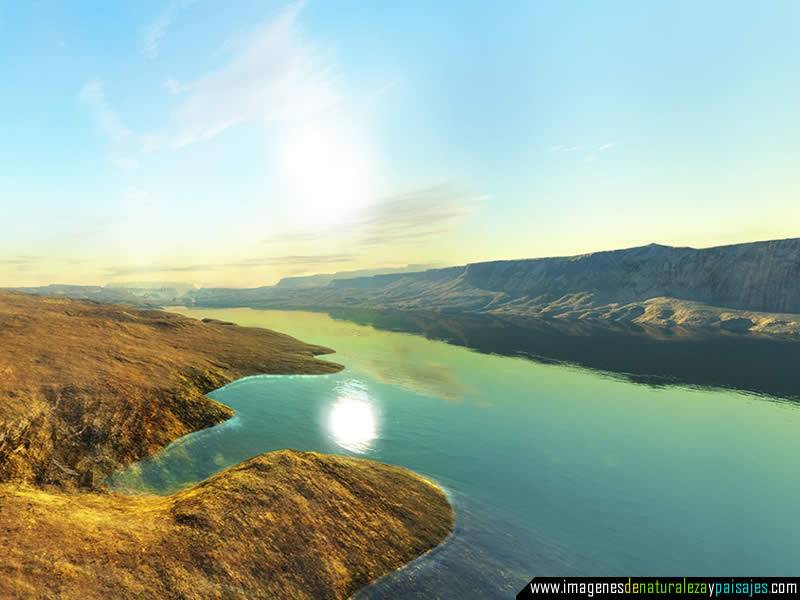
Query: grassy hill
87	388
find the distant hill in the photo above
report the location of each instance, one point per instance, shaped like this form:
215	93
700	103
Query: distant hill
742	287
96	293
322	279
761	276
148	295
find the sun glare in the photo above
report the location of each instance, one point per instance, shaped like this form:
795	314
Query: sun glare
352	420
327	173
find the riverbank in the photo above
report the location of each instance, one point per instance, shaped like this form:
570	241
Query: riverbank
87	388
282	525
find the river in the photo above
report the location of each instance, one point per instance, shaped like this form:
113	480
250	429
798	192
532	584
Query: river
553	468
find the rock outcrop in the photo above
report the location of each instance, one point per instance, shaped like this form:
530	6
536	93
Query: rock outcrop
759	278
725	287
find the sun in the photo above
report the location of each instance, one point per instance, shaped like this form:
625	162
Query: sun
326	172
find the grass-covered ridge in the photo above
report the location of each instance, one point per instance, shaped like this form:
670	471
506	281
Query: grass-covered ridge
282	525
87	388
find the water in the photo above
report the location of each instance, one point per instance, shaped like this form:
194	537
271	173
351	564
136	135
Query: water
553	469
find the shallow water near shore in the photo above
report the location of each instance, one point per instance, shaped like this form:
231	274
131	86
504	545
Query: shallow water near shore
552	469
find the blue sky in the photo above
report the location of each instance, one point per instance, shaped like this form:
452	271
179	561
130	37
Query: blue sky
235	143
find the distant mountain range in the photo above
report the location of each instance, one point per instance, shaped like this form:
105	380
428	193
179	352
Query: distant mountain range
308	281
743	287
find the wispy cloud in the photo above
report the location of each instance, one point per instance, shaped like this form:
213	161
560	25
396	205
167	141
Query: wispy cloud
276	76
405	218
21	262
108	122
295	260
416	216
292	237
325	175
584	151
153	33
123	271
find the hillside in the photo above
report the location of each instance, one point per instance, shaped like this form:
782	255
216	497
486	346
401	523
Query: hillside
745	287
87	388
752	287
282	525
309	281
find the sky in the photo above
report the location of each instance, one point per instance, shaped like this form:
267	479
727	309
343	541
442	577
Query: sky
235	143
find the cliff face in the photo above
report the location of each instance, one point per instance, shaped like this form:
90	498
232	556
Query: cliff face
740	288
618	285
762	276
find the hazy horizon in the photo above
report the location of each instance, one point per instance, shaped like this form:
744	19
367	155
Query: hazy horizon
407	268
176	140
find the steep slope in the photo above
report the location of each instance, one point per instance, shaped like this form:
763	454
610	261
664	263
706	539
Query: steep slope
761	276
744	287
741	287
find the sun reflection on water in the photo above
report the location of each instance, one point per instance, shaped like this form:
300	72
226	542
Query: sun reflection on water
352	419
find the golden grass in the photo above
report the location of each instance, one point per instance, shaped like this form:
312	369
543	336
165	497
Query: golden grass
88	388
282	525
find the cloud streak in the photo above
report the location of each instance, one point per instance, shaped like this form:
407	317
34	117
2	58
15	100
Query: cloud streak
22	262
153	33
295	259
411	217
275	76
415	216
324	179
108	122
278	76
304	260
587	152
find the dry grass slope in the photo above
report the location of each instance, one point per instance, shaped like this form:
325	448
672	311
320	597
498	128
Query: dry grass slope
283	525
87	388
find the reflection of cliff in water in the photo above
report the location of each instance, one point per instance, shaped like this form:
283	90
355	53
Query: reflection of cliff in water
650	356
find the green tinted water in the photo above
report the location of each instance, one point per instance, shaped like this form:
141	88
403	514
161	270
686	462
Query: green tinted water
553	470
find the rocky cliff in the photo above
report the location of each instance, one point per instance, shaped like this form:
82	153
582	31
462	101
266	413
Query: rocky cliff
743	287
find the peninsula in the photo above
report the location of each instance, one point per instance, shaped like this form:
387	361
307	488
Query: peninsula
87	388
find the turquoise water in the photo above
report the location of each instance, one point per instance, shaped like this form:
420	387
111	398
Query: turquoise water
553	470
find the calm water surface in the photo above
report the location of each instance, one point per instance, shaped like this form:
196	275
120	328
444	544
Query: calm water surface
553	470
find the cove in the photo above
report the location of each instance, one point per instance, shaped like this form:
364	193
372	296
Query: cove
552	469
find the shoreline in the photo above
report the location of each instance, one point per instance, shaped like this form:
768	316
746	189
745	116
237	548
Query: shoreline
244	521
121	385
